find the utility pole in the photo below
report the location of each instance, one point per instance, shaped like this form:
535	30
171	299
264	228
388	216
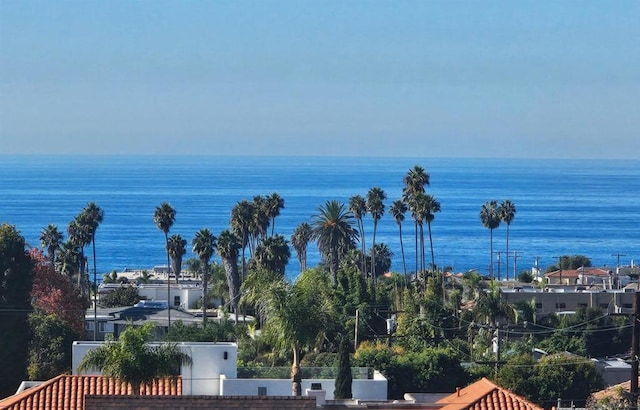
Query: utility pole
355	342
515	263
635	336
559	266
618	264
498	253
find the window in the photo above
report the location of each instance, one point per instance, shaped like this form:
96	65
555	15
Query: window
538	305
627	305
561	305
105	327
89	325
176	301
262	391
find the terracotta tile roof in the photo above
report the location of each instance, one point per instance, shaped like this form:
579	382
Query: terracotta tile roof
67	392
485	395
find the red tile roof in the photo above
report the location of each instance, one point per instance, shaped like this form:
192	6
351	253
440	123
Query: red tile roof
485	395
67	392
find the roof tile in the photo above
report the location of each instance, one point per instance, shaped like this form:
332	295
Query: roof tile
485	395
67	392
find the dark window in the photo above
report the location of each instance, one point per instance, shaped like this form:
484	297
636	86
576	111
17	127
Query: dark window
176	301
262	391
561	305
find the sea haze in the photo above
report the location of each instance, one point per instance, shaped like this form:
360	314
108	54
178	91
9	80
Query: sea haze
564	207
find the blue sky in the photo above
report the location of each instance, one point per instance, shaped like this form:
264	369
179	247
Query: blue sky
546	79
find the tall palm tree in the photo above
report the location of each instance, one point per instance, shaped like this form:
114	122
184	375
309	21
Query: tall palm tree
414	182
358	207
273	253
490	218
507	213
415	203
132	361
242	215
296	316
300	238
397	210
204	245
431	206
177	247
68	259
80	236
51	239
259	222
94	216
275	204
164	217
228	247
333	227
375	206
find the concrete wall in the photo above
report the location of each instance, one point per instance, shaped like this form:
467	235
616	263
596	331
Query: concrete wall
197	402
201	378
362	389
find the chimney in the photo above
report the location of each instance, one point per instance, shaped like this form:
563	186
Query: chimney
458	391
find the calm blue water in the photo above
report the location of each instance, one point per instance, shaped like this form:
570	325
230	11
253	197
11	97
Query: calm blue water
563	207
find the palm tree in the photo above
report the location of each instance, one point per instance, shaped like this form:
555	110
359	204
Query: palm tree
259	221
273	253
80	236
431	206
397	210
177	247
299	240
296	316
164	217
132	361
241	221
274	204
414	182
358	207
94	215
490	218
68	259
51	238
507	213
416	206
332	228
204	245
375	206
228	247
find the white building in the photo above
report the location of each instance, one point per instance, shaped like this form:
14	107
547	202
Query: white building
214	372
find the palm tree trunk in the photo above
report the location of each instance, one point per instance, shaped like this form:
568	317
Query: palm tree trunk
95	293
373	254
491	254
296	374
433	260
404	263
166	240
416	245
507	265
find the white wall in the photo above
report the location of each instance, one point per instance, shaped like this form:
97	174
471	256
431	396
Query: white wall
189	294
362	389
201	378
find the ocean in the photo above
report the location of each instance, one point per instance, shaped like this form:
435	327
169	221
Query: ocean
564	207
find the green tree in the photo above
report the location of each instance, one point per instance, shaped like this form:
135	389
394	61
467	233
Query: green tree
275	203
164	217
414	182
177	247
375	206
228	247
344	378
358	208
296	316
300	239
79	231
490	218
204	245
131	360
507	212
242	217
110	277
333	227
51	239
15	285
122	296
273	253
397	209
93	215
49	346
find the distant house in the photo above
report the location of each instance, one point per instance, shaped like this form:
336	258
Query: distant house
586	276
